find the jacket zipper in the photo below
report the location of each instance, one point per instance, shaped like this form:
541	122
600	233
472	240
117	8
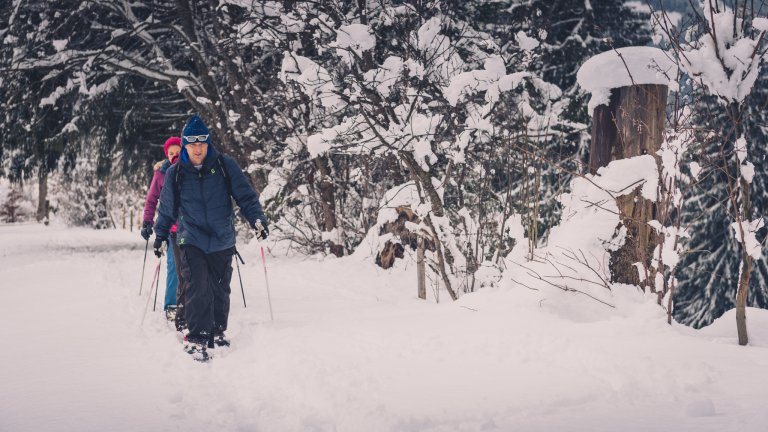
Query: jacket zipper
205	210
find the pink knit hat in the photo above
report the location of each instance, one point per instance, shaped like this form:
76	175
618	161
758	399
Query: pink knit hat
172	141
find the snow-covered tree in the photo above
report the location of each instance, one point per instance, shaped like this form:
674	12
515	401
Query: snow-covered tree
723	57
35	110
552	39
710	267
427	101
12	206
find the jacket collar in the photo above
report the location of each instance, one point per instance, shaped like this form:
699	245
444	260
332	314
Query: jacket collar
208	162
166	165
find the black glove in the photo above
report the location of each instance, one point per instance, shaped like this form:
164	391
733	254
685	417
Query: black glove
158	245
146	230
261	229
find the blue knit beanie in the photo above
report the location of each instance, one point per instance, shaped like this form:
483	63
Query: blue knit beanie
195	127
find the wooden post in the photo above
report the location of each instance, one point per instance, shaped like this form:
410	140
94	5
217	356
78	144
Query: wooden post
420	273
131	221
631	125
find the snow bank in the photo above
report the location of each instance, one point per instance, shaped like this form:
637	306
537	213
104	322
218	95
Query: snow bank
722	330
571	272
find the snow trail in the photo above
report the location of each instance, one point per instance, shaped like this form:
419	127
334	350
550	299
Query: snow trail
350	349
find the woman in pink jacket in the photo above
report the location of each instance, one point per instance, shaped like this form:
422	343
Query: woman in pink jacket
172	148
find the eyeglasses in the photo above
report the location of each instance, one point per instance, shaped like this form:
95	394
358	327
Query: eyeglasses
196	138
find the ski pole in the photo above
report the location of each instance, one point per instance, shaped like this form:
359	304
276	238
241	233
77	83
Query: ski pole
237	256
157	275
143	267
157	282
266	281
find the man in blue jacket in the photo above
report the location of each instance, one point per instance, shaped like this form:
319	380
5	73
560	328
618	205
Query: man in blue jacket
197	193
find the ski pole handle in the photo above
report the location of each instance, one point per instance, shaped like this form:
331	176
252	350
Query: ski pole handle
259	228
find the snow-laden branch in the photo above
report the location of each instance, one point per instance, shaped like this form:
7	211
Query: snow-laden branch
725	59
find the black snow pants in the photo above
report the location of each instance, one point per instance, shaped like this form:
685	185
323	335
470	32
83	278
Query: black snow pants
207	278
181	322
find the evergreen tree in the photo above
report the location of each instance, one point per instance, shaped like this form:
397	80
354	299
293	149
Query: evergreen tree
36	109
11	209
710	270
729	116
53	104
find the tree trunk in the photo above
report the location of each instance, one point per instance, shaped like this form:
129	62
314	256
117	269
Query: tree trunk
328	202
101	214
367	56
746	267
423	180
741	299
42	197
420	274
631	125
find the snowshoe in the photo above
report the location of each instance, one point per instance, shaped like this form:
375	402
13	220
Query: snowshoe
198	350
170	313
221	341
181	325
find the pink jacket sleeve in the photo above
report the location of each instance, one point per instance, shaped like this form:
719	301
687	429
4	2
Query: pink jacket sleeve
153	195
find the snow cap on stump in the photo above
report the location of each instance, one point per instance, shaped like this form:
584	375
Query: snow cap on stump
194	127
624	67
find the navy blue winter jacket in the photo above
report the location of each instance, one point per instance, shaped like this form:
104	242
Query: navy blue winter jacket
205	216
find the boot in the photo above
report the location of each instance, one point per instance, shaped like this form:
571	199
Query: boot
170	313
221	341
197	349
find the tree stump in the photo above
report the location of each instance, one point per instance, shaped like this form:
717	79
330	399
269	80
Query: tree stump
631	125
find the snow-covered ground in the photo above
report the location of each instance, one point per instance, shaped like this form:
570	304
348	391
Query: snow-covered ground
350	349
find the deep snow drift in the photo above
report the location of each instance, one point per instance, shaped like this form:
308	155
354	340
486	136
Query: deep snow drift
351	349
